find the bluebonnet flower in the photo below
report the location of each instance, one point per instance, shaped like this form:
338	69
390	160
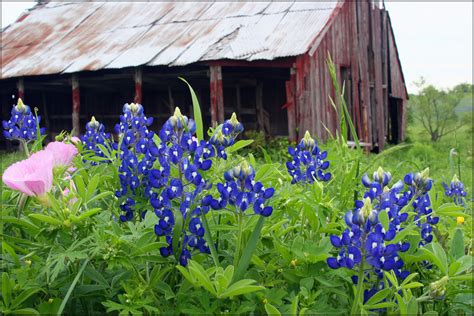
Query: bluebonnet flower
181	195
455	190
22	124
419	186
365	239
138	153
242	191
225	135
95	134
308	162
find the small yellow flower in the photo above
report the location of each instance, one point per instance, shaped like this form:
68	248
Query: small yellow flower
265	301
460	220
50	301
28	262
294	262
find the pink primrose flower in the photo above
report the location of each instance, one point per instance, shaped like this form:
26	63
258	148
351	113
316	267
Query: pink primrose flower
63	153
32	176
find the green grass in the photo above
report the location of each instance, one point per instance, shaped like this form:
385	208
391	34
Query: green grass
7	158
422	153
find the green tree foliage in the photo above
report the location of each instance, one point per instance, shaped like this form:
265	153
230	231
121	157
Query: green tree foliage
435	108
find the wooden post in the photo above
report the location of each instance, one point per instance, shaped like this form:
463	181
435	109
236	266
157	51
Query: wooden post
291	105
20	85
76	104
259	106
138	85
217	94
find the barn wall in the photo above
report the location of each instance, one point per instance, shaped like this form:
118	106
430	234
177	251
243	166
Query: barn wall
361	43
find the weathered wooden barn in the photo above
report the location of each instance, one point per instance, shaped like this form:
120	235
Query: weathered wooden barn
264	60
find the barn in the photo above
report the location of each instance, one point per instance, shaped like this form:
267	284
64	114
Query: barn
264	60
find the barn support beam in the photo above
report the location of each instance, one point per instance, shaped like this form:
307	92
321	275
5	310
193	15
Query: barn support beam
217	94
291	105
20	86
76	104
138	85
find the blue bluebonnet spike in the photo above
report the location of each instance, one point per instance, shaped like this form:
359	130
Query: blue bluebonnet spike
22	124
455	190
242	191
307	162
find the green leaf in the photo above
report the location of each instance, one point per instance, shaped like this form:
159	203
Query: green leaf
248	250
412	306
379	305
463	277
23	296
200	274
100	196
391	277
409	278
271	310
197	112
46	218
6	289
241	287
457	244
25	311
379	296
239	145
92	186
384	220
186	274
80	187
89	213
12	253
412	285
451	209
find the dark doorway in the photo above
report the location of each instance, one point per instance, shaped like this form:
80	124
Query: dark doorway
395	119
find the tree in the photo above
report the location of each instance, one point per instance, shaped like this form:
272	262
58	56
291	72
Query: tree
434	108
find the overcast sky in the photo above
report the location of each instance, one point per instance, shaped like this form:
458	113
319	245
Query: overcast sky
434	39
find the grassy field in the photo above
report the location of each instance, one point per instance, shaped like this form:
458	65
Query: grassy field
421	153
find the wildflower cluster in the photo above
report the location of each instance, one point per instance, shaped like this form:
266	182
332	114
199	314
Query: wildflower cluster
419	184
367	239
95	135
138	152
179	204
308	162
22	124
241	191
455	190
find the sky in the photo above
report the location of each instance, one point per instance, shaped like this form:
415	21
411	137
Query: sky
434	39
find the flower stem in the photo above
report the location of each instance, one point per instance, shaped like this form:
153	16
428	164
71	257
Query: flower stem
25	148
239	239
360	282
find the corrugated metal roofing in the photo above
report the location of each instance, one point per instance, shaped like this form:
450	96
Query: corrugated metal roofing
61	37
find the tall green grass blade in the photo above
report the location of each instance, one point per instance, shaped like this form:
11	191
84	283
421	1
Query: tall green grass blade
197	112
71	287
343	112
249	250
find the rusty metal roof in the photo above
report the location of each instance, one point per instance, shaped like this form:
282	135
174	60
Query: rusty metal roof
62	37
